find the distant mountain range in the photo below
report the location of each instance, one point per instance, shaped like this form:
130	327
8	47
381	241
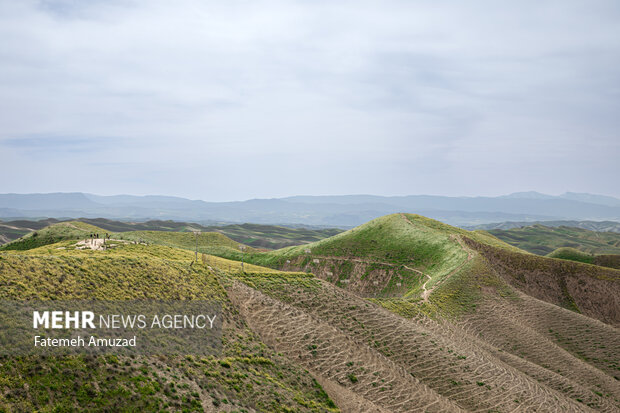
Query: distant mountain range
334	211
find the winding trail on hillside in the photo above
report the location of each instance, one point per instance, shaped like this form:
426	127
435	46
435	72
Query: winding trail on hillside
426	293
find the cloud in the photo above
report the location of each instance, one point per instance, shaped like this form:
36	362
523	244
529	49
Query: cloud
391	98
59	144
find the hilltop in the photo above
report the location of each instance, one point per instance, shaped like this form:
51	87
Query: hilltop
74	230
401	314
411	257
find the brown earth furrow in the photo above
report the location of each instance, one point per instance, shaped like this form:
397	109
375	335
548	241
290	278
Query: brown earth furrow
435	366
498	328
399	392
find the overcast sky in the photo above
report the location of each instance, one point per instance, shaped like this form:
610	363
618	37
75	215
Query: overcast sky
231	100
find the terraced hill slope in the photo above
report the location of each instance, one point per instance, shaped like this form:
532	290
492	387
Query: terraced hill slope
402	314
420	364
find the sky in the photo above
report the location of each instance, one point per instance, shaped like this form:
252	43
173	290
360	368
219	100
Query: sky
233	100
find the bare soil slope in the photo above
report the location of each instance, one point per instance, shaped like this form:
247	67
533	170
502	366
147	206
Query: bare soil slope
481	362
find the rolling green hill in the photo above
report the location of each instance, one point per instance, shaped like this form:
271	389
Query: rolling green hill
401	314
605	260
73	230
255	235
11	230
273	236
208	242
372	259
542	240
247	375
572	254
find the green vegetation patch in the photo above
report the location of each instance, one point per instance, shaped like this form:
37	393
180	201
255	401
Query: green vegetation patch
72	230
542	240
572	254
247	375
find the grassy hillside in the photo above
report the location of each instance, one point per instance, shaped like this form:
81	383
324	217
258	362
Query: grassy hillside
572	254
247	376
411	263
542	240
208	242
255	235
70	230
401	314
273	236
605	260
395	255
11	230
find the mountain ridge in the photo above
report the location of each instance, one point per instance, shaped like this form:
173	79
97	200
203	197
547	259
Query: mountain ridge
339	211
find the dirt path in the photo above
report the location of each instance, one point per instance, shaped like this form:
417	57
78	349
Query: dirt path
426	293
363	261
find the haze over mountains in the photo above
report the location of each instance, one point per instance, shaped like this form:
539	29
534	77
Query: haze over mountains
339	211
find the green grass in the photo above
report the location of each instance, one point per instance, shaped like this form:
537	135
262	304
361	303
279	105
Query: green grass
71	230
273	236
396	245
542	240
248	373
572	254
255	235
208	242
416	242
